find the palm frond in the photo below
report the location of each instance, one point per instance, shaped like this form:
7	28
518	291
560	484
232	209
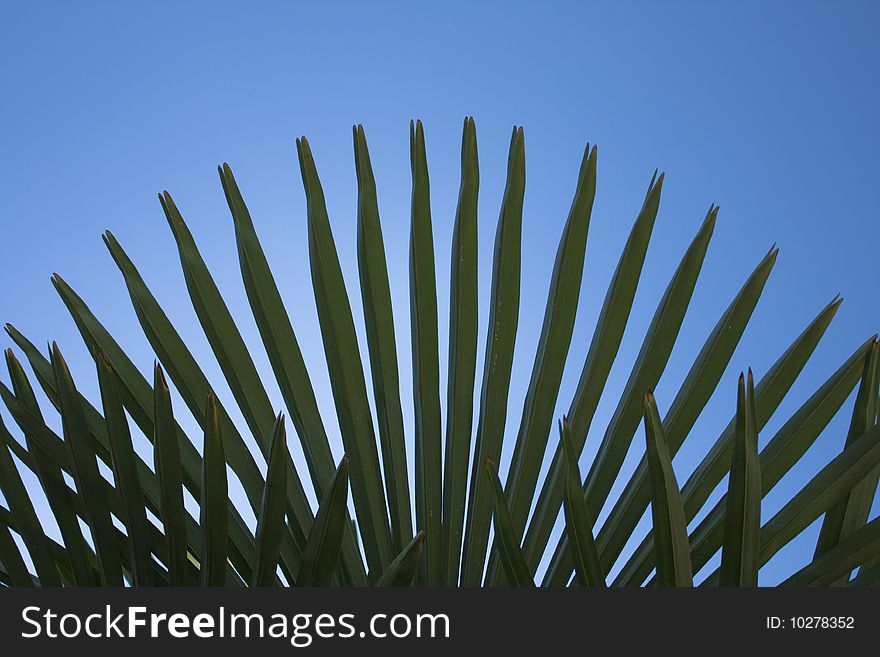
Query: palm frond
458	523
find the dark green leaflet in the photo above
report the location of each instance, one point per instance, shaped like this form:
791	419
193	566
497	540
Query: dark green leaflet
510	553
167	460
214	505
603	350
382	344
742	519
13	564
784	450
463	319
825	489
403	569
835	565
503	319
285	356
53	447
852	512
768	395
321	553
57	551
125	474
299	545
26	522
235	361
701	381
578	523
89	481
670	527
183	369
137	395
55	455
650	363
51	480
828	486
346	371
426	363
270	522
556	332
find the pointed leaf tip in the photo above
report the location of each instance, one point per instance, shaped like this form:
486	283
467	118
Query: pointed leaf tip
159	375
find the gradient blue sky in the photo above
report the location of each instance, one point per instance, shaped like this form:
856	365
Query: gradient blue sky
768	109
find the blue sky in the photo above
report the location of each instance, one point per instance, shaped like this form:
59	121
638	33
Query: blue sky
768	109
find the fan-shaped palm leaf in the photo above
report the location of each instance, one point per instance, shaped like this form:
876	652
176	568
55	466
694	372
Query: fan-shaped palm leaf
141	532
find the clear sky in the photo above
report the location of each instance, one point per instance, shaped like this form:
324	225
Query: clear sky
768	109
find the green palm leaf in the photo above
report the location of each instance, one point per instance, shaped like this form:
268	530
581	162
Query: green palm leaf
183	370
826	488
835	565
784	450
382	344
650	363
14	568
125	474
270	522
45	440
426	362
214	505
463	316
403	569
503	319
511	555
321	553
51	479
235	361
556	332
346	371
700	382
137	395
578	523
25	520
285	356
768	394
168	468
89	482
742	520
603	350
852	512
673	557
454	519
829	485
